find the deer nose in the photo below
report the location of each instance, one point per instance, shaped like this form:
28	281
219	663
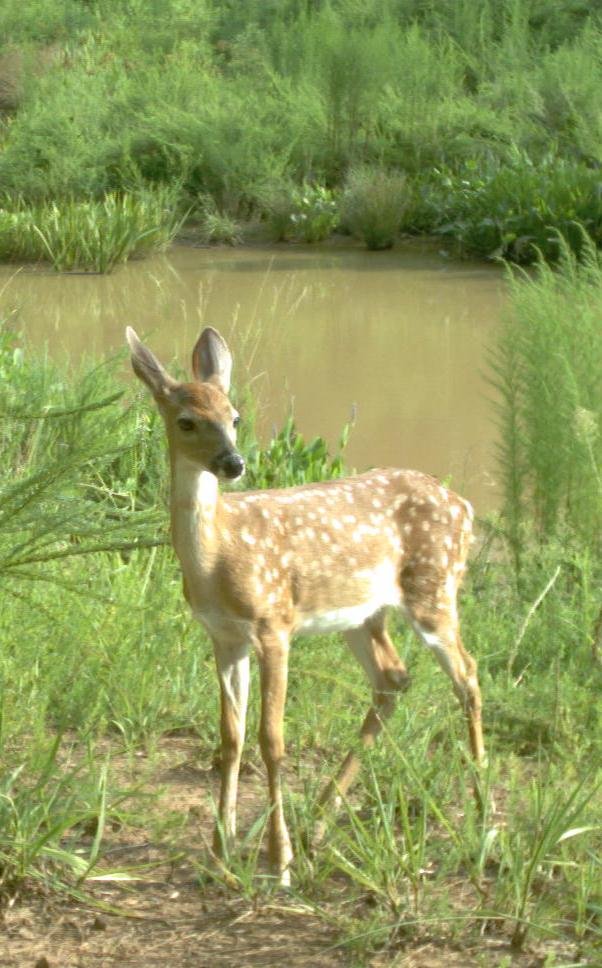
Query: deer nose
231	465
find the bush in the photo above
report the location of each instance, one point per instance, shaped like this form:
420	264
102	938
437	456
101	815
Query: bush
307	214
515	210
373	207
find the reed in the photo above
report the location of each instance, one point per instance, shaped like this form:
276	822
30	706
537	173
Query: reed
89	236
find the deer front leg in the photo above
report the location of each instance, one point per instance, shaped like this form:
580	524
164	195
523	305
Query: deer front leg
232	663
273	660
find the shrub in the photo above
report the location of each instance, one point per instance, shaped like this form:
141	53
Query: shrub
308	213
373	207
510	211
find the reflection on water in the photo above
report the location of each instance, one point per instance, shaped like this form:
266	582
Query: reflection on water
401	335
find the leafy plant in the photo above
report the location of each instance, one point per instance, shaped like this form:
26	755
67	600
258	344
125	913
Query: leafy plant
288	459
515	210
308	214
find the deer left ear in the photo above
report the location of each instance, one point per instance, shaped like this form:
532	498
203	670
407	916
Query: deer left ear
212	360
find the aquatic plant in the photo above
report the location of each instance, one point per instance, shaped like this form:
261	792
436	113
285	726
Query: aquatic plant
515	210
92	236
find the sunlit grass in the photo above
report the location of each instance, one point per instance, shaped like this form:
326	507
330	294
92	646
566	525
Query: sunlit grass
89	236
99	649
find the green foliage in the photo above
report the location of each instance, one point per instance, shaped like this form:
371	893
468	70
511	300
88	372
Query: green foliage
503	100
288	460
306	214
216	226
547	364
516	211
373	206
94	235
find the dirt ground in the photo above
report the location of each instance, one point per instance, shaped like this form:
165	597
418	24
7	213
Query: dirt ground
168	918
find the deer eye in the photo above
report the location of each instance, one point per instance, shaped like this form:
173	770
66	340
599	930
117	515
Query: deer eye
236	421
185	424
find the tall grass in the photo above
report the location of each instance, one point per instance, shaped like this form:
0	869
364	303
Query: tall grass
91	236
547	364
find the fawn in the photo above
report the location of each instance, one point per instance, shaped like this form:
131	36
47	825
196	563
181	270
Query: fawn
260	566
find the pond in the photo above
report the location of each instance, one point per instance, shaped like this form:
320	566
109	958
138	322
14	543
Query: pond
397	337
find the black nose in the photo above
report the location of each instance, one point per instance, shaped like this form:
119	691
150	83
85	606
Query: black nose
232	465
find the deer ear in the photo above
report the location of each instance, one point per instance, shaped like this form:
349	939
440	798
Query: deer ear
211	359
147	367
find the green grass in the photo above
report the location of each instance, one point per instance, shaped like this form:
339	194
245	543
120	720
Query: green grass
547	362
91	236
100	662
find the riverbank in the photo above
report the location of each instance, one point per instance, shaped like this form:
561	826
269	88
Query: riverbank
476	122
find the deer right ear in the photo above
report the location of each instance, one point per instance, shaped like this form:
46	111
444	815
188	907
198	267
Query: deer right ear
147	368
211	359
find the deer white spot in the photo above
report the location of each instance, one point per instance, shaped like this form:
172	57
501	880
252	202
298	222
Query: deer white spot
265	513
247	537
325	537
376	503
447	541
426	526
407	528
444	561
454	511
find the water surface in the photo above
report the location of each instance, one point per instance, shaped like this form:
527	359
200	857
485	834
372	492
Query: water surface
399	336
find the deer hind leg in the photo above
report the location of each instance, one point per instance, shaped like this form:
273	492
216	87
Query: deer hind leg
375	652
273	664
232	663
443	639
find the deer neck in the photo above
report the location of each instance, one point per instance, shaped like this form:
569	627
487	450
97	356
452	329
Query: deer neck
194	513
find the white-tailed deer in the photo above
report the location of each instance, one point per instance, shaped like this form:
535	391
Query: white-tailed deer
260	566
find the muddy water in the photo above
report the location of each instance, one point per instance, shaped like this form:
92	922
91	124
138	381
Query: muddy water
399	336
